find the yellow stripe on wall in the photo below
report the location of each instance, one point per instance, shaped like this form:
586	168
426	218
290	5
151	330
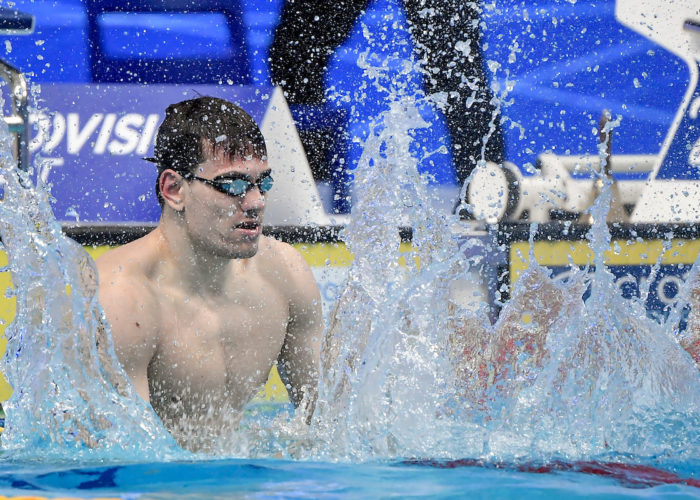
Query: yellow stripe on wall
8	307
620	253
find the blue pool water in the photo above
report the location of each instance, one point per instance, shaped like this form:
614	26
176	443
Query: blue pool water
292	479
280	478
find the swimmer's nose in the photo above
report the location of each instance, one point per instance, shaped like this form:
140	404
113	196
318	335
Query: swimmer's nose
253	200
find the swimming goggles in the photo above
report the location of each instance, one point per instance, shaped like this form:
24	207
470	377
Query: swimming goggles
235	186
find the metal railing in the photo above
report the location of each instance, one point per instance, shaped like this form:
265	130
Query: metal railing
18	121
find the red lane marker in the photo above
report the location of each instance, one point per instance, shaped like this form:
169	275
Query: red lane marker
628	474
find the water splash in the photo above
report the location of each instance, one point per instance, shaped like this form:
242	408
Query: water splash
406	373
616	380
72	400
378	345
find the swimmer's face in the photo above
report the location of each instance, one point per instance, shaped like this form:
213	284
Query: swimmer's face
227	225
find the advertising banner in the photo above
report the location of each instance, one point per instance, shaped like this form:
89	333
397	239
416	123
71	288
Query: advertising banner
636	255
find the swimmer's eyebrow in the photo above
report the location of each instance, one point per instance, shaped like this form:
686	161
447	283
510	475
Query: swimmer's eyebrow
232	176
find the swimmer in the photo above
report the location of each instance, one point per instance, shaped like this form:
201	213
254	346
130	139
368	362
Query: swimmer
204	306
497	362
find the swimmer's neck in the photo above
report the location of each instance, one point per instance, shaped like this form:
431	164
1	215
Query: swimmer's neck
190	268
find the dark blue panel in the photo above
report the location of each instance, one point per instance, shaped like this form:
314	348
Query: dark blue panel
57	51
170	64
127	35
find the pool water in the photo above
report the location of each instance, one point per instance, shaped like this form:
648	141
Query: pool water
270	478
204	477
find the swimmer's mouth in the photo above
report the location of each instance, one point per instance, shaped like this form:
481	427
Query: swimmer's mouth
248	225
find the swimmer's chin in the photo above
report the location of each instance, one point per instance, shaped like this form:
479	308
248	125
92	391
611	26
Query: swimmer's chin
241	251
234	248
248	255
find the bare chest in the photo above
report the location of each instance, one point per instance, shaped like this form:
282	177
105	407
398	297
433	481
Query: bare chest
216	354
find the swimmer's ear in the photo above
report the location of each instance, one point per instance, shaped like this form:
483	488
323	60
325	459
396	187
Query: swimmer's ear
171	186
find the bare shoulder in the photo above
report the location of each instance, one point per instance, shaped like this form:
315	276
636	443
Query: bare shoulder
127	297
122	267
281	256
285	264
125	292
122	258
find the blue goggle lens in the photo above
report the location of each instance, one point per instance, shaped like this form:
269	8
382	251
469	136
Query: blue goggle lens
238	187
265	184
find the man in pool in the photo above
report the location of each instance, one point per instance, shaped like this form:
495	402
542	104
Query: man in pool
203	306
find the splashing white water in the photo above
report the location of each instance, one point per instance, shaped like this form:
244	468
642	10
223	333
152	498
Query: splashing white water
405	373
384	357
72	400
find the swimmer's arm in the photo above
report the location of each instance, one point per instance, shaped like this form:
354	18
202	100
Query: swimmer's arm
298	362
128	309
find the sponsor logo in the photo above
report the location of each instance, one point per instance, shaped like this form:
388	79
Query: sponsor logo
102	133
666	283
